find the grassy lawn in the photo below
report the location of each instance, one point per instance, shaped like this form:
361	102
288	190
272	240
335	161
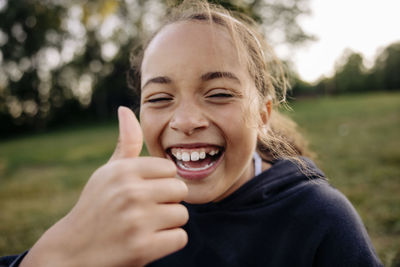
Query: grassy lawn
357	140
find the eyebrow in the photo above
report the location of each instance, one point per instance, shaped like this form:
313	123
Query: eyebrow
205	77
159	80
219	74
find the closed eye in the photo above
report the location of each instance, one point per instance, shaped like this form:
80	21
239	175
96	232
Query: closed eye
158	99
220	95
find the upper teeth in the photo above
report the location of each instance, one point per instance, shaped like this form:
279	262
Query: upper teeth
192	154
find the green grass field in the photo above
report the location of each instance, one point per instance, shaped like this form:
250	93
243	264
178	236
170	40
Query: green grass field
356	138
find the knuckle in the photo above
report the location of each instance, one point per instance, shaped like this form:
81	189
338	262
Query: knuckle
181	237
130	198
185	215
164	164
124	166
183	187
116	169
121	171
137	193
136	218
170	166
181	214
176	186
116	164
122	199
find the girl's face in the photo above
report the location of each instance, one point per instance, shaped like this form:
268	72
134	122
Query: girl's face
195	108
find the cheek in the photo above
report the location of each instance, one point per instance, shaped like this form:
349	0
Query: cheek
240	131
236	123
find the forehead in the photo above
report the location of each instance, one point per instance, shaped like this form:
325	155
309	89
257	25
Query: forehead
191	46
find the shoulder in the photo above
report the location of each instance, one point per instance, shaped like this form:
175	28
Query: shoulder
329	217
345	241
329	201
310	189
329	208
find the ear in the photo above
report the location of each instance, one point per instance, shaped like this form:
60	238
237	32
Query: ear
266	109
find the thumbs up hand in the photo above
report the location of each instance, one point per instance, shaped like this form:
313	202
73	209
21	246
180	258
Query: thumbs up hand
128	213
130	136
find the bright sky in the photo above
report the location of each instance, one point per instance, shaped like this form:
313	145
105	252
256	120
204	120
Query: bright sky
361	25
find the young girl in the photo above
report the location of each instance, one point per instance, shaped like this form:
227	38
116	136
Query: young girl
227	183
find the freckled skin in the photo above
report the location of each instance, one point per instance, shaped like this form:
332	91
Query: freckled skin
192	110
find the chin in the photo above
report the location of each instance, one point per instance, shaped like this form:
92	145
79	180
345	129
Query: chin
198	197
206	190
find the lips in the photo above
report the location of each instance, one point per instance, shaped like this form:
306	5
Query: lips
195	161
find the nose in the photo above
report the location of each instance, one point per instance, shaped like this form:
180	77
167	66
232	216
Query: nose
188	118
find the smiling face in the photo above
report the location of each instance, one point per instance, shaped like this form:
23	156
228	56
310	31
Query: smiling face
195	106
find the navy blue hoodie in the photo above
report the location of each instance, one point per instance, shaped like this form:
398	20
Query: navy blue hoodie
279	218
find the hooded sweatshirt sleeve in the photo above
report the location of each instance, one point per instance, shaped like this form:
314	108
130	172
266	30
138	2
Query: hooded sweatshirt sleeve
12	261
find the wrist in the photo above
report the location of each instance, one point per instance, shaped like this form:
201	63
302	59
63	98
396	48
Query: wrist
49	250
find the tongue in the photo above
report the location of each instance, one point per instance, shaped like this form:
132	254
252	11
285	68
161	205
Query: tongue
197	164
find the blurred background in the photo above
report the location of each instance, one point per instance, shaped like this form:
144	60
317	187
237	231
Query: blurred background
63	68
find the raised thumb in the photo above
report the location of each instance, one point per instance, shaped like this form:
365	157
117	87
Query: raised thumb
130	139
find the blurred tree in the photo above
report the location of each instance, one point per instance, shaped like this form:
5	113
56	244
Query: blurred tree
325	86
350	75
386	70
278	18
28	36
63	61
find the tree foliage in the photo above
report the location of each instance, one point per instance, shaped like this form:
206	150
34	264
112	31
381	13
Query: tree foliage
351	75
64	61
387	68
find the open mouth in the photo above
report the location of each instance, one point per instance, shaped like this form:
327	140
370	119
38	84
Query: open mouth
196	162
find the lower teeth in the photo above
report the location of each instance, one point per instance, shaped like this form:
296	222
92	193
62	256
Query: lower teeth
182	166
